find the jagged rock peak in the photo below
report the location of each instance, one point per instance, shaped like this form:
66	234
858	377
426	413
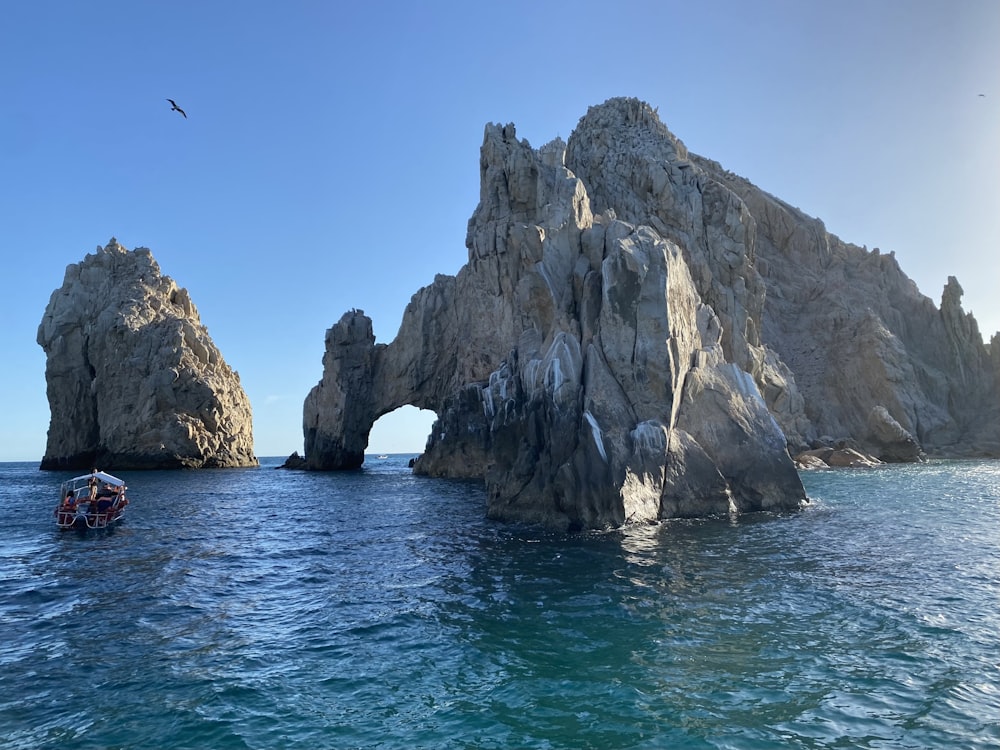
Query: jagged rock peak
133	377
640	120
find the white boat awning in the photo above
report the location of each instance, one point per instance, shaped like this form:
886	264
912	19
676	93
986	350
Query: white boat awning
102	476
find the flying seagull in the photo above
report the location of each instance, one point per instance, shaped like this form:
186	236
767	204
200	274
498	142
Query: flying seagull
175	108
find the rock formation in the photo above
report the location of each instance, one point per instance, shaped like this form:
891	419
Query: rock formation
640	334
133	378
873	359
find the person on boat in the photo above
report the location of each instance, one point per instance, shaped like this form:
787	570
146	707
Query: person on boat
104	503
92	483
67	510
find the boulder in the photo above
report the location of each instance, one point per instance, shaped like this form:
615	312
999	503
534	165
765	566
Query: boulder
805	461
893	443
133	379
294	461
835	458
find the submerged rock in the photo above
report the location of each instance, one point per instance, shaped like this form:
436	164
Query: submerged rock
294	461
133	379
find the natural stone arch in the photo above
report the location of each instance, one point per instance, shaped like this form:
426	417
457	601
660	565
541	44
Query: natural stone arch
639	334
363	381
558	361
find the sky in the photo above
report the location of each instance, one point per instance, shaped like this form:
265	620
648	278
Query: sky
330	155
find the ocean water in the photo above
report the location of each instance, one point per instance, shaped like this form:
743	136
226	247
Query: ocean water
373	609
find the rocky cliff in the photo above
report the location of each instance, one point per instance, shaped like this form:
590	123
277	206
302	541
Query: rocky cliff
875	361
640	334
133	378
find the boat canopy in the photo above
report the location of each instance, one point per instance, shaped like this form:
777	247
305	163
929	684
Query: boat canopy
114	481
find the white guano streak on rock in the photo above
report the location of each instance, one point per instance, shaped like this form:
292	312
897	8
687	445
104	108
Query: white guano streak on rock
487	396
648	436
748	389
553	375
747	386
544	273
530	375
596	431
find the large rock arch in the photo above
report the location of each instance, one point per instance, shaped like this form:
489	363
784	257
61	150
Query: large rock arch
639	333
572	364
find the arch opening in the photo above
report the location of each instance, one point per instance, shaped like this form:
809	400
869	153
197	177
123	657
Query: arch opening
404	430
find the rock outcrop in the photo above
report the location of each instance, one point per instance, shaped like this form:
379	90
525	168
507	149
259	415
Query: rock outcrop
640	334
873	359
835	458
133	378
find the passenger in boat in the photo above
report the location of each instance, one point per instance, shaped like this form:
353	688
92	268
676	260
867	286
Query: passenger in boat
92	483
68	504
104	504
67	510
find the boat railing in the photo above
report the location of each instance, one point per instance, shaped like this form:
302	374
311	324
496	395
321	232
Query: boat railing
65	519
89	516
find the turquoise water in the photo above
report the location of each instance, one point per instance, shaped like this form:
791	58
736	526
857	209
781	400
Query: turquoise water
269	609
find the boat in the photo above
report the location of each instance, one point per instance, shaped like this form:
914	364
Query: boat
91	501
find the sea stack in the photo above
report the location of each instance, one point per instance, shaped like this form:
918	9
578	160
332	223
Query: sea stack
133	379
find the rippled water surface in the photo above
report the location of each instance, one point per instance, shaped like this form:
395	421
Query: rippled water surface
373	609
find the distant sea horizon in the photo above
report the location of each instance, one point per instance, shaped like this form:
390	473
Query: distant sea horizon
261	459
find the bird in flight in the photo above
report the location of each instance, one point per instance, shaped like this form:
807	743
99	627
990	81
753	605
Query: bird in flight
175	108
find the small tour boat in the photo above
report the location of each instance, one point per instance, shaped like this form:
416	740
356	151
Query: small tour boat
91	501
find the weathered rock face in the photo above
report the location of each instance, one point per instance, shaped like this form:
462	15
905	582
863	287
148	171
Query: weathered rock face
133	378
639	334
338	431
873	359
839	340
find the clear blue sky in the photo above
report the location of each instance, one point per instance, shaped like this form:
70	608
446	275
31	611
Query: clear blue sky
330	157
